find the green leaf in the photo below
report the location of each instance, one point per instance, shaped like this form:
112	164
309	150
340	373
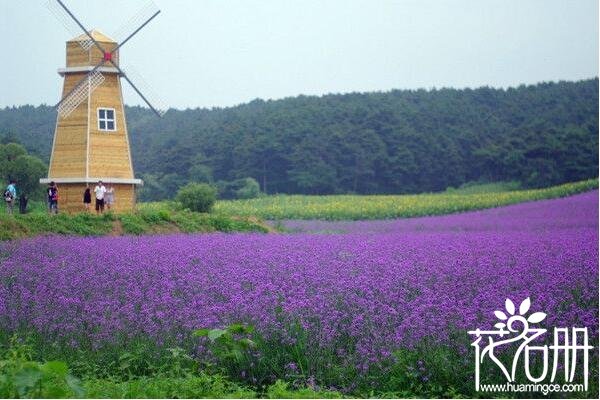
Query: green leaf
55	367
26	379
75	385
201	332
237	354
240	329
214	334
54	392
247	343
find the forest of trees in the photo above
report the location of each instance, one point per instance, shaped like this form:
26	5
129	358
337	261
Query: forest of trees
402	141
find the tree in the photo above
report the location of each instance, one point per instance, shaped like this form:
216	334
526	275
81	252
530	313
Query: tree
200	173
245	188
310	171
249	190
401	141
26	170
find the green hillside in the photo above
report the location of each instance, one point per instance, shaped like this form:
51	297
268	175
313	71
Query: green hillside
402	141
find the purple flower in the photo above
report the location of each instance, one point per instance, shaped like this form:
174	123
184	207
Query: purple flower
360	295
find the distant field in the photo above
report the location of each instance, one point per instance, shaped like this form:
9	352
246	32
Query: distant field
356	207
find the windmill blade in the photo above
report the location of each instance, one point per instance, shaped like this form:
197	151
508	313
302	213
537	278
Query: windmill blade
68	13
81	82
81	91
151	98
140	19
61	15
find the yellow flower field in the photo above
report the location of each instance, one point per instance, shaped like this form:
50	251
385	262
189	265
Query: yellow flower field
354	207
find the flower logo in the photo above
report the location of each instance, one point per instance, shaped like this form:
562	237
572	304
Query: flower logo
519	328
512	316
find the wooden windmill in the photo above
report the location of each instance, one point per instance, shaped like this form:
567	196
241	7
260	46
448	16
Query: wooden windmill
91	140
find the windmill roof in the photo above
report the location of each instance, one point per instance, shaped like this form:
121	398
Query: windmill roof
96	34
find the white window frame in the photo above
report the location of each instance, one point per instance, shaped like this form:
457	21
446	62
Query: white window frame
106	119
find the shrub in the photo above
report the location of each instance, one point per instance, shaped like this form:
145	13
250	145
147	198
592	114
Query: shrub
198	197
245	188
249	190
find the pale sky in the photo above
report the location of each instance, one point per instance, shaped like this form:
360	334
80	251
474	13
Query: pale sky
207	53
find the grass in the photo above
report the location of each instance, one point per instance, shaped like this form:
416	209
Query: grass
355	207
147	220
193	386
33	367
200	385
19	226
178	376
478	187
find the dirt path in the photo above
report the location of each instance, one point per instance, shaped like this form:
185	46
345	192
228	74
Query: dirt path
117	228
258	222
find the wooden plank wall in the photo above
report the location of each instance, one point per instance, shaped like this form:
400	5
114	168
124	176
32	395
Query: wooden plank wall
78	57
109	151
70	197
70	138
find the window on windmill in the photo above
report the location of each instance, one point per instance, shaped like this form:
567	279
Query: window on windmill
106	119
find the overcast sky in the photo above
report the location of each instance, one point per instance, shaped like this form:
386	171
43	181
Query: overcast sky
205	53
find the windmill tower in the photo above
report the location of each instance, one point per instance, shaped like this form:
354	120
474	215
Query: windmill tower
91	139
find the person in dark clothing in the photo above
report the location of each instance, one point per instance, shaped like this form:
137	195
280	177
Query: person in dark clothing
87	199
52	193
23	203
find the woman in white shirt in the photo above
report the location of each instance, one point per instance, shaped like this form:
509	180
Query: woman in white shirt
109	196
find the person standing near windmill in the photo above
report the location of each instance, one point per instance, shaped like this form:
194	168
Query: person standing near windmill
99	191
10	194
52	193
109	197
87	199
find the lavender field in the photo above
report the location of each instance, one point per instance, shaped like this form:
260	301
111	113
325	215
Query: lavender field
334	308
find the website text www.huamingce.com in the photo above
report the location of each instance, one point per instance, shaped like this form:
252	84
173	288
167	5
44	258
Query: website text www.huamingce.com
543	388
